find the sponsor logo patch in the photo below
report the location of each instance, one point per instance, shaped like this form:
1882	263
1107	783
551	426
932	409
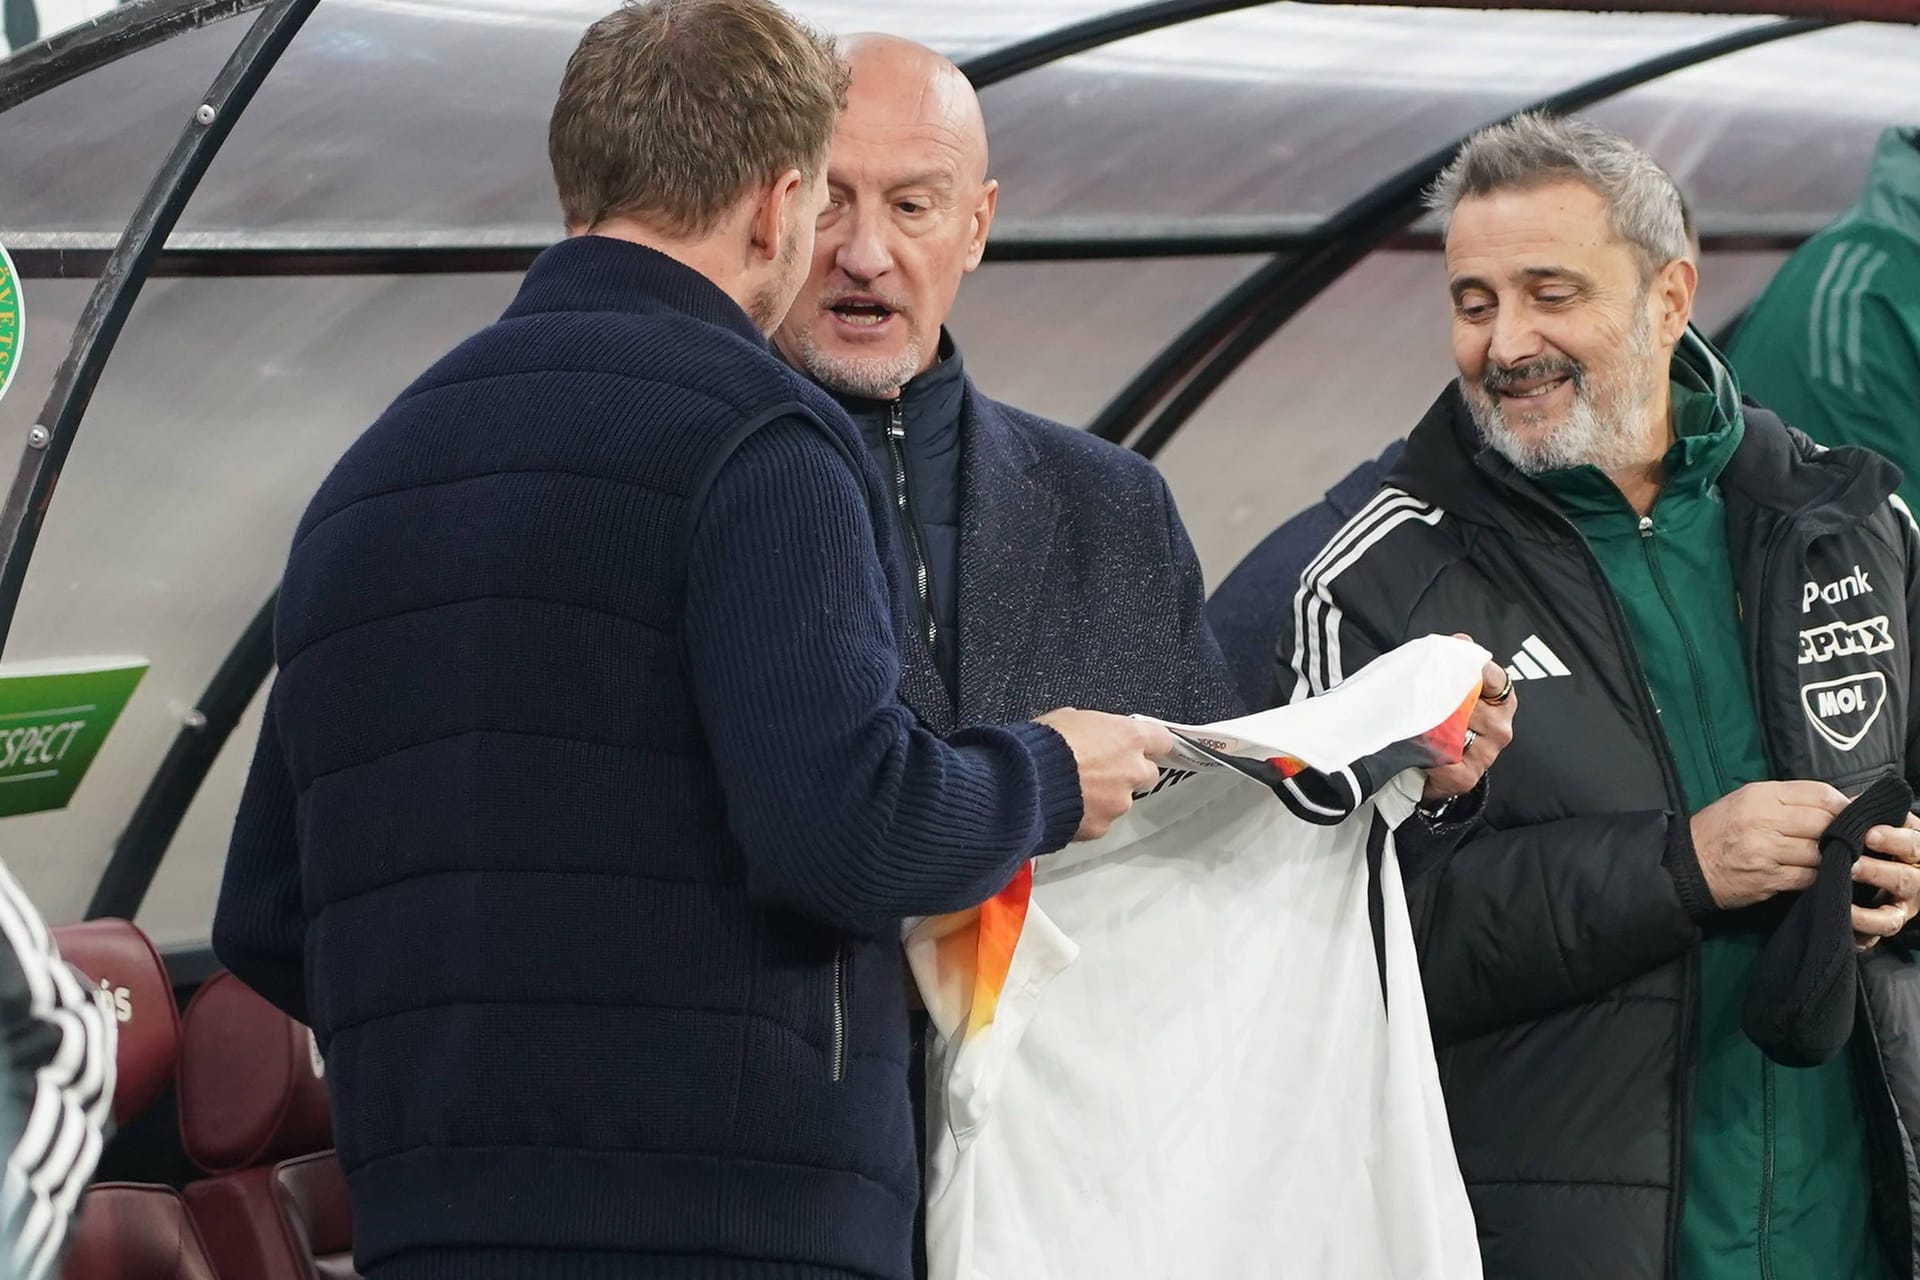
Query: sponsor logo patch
1854	584
1843	710
1842	639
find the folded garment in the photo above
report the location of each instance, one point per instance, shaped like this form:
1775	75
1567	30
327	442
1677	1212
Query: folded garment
1800	1003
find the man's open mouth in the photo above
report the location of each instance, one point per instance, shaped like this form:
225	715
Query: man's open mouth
861	312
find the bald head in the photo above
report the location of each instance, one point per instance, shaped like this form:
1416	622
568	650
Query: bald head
909	206
904	86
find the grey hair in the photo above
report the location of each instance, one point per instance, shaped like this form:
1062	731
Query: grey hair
1536	149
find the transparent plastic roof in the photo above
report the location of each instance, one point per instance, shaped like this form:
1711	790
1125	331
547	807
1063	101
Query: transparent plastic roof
1296	109
954	27
415	121
384	119
79	157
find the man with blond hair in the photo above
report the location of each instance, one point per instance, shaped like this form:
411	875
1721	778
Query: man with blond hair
586	807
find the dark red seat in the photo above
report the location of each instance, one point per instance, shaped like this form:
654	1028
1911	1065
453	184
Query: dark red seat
254	1113
131	1231
134	987
313	1191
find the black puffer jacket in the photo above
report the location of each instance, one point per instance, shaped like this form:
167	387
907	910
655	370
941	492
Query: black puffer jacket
1559	936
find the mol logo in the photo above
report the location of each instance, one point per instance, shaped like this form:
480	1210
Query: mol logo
1843	710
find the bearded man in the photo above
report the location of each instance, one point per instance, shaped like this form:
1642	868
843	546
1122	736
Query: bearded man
1713	617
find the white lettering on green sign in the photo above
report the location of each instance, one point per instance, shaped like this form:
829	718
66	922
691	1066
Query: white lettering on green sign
36	745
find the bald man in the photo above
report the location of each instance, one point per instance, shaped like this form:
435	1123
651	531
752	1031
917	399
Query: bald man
1051	567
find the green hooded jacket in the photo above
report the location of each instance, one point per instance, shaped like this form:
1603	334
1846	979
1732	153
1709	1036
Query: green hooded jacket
1833	344
1777	1176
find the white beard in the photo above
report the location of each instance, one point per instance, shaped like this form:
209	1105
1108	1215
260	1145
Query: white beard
1602	427
874	378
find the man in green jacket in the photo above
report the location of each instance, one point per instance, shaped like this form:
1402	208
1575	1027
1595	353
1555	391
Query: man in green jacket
1679	580
1833	344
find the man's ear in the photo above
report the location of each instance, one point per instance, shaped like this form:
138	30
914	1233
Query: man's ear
769	225
982	221
1673	291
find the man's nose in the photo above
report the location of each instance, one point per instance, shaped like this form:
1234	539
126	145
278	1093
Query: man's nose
865	254
1515	338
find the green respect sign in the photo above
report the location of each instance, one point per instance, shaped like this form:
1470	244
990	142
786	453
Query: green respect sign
54	717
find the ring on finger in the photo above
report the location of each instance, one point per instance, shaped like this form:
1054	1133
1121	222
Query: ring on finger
1501	698
1472	736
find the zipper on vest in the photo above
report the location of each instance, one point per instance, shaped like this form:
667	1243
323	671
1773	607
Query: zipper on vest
837	1059
909	528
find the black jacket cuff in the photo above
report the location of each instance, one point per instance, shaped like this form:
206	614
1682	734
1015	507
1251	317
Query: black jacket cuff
1457	811
1683	864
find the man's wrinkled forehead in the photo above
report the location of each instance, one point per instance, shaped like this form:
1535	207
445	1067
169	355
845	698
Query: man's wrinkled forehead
1513	237
910	109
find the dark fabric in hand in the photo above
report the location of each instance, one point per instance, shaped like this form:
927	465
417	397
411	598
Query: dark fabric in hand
1800	1004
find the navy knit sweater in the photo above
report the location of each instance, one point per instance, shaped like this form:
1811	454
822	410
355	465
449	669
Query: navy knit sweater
585	811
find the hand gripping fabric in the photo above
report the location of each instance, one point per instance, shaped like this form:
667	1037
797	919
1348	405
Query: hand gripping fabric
1799	1006
1167	1053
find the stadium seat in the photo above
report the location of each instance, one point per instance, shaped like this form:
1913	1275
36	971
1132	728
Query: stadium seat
125	1230
254	1114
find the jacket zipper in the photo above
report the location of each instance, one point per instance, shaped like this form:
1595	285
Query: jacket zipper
837	1059
1647	530
1756	651
1766	1171
1669	772
1889	1193
896	448
1768	1120
1764	1224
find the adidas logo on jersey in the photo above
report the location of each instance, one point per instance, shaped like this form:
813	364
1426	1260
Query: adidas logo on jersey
1536	662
